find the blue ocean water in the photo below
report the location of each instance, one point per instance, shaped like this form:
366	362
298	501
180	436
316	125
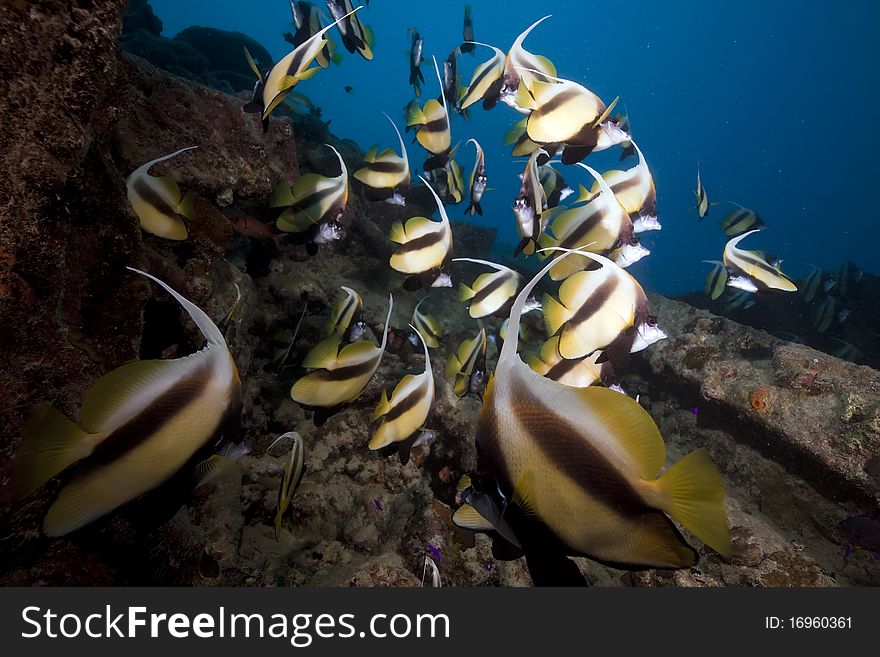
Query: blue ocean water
774	100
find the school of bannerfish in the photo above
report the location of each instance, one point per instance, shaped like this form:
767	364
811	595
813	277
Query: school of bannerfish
568	464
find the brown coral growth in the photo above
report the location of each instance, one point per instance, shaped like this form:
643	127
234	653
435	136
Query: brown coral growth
760	398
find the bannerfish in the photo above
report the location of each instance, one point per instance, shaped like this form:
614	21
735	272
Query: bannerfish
555	188
523	67
138	426
577	373
356	37
338	377
454	180
716	281
417	44
490	293
737	300
432	120
478	181
846	350
702	206
529	206
602	225
157	201
577	472
307	19
750	272
346	319
425	247
741	221
313	206
524	331
486	80
811	283
272	88
601	309
405	415
294	468
386	175
565	112
823	314
466	368
467	31
635	190
452	89
427	326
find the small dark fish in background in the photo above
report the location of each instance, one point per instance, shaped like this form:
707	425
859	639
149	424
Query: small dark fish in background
468	31
348	89
862	531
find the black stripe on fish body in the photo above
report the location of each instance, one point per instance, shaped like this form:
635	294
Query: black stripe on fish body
594	303
492	94
315	198
437	126
146	424
558	101
717	273
143	189
385	167
581	230
407	403
346	372
422	242
760	264
560	369
493	285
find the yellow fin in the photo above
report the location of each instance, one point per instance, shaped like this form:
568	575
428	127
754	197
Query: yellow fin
283	196
382	407
555	314
213	467
465	292
523	98
186	205
606	113
323	355
467	517
695	495
294	222
516	131
546	66
524	492
414	115
308	74
252	64
463	483
371	154
357	350
50	443
585	194
397	233
306	184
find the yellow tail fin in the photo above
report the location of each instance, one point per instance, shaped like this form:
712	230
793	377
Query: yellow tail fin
555	314
465	293
50	443
694	497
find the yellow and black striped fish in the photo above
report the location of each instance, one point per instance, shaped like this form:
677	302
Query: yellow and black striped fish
346	316
141	424
432	120
518	137
386	174
490	293
576	471
314	205
601	226
716	281
749	271
466	368
157	201
478	181
740	221
338	377
427	327
530	205
565	112
603	308
702	206
577	373
356	37
294	469
485	82
406	413
307	19
634	189
425	245
273	88
523	67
